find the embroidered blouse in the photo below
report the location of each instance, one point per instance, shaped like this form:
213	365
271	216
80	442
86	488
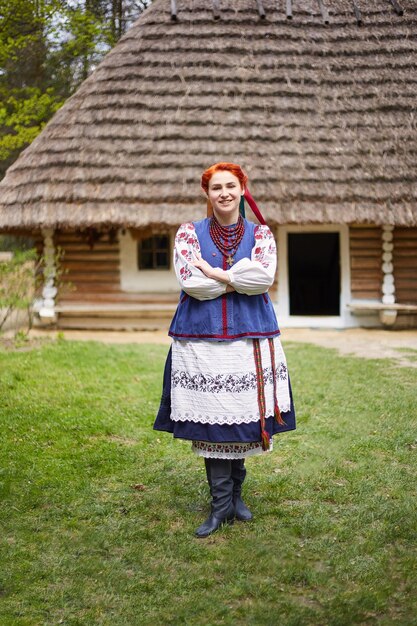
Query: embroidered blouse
206	310
252	276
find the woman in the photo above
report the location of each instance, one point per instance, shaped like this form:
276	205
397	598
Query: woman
226	386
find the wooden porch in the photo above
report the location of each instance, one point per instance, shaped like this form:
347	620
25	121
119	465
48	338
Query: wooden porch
139	313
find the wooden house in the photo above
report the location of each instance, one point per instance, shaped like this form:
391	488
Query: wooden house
315	99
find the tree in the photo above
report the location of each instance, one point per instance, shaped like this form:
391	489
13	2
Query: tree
47	48
23	114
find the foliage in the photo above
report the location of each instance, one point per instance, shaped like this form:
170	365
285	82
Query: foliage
17	280
21	279
99	510
23	114
47	47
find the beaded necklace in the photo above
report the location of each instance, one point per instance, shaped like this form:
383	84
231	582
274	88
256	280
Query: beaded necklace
227	239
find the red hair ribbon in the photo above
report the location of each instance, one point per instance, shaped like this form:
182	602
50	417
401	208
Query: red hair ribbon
248	196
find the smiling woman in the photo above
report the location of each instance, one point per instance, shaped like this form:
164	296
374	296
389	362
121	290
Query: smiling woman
226	385
224	184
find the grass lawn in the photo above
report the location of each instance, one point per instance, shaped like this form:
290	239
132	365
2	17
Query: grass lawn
98	510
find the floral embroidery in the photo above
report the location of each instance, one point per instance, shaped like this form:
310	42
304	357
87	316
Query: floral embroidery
281	371
261	253
193	241
185	273
227	450
186	246
225	447
224	382
181	236
186	233
187	255
263	232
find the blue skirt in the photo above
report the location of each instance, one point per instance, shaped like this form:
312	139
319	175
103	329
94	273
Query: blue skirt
215	433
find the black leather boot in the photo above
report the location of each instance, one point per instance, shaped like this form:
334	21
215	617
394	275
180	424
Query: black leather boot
221	489
238	476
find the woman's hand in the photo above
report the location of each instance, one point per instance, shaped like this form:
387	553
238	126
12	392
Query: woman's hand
203	266
211	272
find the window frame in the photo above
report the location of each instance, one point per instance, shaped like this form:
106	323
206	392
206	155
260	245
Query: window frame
153	251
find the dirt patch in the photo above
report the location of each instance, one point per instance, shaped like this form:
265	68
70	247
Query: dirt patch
10	342
398	345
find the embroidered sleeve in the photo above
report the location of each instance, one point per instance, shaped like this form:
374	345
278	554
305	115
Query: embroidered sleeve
191	279
255	275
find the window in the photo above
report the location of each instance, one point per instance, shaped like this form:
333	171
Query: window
154	253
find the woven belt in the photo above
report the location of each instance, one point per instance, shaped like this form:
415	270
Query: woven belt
265	438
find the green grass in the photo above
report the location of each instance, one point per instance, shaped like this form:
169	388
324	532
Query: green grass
409	353
98	510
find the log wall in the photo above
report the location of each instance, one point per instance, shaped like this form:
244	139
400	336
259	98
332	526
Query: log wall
365	262
93	272
405	265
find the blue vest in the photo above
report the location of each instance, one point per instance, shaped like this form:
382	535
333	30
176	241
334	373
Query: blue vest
232	315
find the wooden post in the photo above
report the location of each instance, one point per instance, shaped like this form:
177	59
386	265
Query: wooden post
261	9
388	287
216	9
288	9
324	11
358	13
397	8
49	291
388	316
174	10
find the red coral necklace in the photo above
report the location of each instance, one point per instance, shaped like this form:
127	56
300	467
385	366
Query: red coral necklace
227	239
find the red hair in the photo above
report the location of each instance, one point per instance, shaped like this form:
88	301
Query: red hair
234	169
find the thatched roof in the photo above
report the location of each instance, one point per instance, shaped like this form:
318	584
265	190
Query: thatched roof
322	116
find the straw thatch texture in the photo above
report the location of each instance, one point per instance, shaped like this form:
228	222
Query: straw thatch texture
321	116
